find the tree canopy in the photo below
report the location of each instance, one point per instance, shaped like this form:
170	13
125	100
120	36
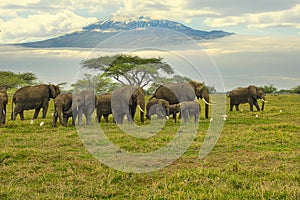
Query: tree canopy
14	80
127	69
99	83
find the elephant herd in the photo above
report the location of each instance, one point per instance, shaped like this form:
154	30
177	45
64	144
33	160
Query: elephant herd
167	100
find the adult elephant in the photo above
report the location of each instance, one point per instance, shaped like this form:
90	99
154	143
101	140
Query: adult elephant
3	102
161	107
33	97
125	100
63	109
83	102
249	95
103	107
179	92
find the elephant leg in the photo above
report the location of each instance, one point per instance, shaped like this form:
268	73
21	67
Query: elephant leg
36	113
45	108
79	118
106	118
64	121
13	115
132	112
55	116
99	118
256	105
87	118
186	116
250	100
73	120
251	106
231	106
237	107
22	115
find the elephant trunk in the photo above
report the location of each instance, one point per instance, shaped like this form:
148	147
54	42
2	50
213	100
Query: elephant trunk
58	114
206	101
263	103
141	106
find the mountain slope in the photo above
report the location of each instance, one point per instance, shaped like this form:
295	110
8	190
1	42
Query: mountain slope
93	34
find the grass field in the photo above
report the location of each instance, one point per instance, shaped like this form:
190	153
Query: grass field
255	158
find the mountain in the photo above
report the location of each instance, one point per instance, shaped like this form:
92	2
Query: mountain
93	34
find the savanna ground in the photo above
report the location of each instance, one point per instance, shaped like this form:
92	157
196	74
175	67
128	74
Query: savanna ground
255	158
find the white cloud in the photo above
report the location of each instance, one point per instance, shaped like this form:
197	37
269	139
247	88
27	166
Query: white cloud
289	17
41	26
254	44
158	9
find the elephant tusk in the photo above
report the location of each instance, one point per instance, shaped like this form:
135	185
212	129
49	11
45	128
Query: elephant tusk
3	112
206	102
264	101
167	117
140	108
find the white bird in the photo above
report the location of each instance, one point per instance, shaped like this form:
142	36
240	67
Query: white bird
42	123
31	121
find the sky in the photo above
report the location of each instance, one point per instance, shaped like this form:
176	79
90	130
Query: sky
264	51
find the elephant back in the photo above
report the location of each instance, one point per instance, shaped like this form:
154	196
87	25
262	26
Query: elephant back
175	92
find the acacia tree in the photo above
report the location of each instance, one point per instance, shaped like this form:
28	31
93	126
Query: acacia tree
14	80
100	83
127	69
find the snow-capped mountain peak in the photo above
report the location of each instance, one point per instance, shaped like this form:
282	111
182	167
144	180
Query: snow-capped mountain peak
97	32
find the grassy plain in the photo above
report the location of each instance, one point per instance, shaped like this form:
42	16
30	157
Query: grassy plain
255	158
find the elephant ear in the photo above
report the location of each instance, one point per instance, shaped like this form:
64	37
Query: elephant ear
198	88
53	92
252	91
133	97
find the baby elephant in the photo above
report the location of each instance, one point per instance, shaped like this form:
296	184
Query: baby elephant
63	109
103	107
174	109
160	107
189	109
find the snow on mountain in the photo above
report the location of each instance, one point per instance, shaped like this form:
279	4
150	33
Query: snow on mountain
93	34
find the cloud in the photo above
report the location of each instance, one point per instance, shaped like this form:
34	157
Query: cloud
41	26
255	44
158	9
288	17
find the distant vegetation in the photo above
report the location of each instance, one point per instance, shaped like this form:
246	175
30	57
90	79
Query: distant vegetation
271	89
10	79
110	71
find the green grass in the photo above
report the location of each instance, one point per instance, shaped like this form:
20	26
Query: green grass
255	158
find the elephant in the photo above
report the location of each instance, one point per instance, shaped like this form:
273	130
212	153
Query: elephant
249	95
125	100
189	109
103	107
174	109
161	107
175	93
83	102
33	97
3	103
63	109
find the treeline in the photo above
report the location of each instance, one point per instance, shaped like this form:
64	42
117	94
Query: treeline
271	89
11	80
